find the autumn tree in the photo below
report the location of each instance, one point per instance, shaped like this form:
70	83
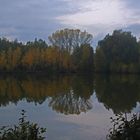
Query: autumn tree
75	52
70	38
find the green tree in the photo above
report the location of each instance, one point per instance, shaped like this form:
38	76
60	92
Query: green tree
83	58
117	53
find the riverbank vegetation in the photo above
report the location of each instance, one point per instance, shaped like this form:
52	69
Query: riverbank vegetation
124	128
25	130
71	51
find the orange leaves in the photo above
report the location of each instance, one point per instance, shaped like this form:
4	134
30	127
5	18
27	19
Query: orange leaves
31	57
38	56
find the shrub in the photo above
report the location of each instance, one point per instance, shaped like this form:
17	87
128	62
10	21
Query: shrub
25	130
124	129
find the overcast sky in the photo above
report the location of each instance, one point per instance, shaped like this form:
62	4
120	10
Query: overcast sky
28	19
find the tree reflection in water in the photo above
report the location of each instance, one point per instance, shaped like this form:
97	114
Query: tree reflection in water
65	94
72	94
118	92
70	103
77	99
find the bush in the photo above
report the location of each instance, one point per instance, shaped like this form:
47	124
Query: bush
25	130
124	129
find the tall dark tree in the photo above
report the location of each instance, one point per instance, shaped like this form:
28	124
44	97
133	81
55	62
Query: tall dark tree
117	53
83	58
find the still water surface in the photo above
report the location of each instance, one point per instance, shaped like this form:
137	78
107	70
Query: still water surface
70	107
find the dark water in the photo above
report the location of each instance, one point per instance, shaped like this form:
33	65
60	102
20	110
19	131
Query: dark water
70	107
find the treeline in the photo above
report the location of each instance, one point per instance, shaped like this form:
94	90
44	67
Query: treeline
71	51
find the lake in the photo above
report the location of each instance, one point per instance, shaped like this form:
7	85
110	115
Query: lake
71	107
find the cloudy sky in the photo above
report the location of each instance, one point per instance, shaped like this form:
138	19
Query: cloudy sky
28	19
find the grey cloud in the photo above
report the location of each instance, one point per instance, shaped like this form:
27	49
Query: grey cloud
28	19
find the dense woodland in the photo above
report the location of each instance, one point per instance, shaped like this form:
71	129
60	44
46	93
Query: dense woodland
70	50
119	52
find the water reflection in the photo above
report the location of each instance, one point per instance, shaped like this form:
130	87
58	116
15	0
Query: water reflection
119	93
76	99
65	94
72	94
